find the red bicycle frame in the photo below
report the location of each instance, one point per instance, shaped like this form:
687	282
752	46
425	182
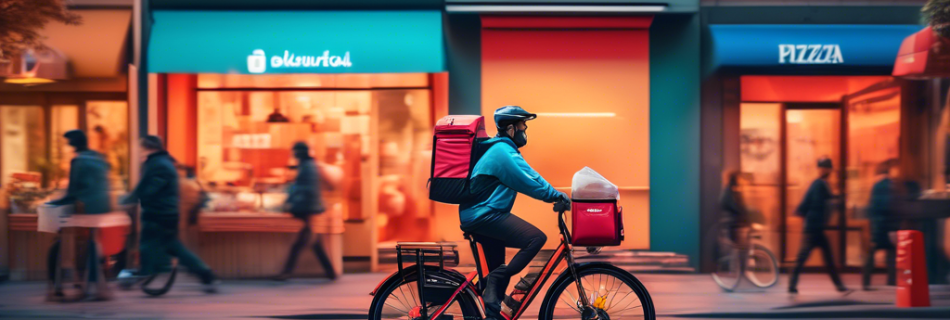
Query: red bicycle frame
564	250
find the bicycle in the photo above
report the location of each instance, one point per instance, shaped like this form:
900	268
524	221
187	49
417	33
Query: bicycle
754	262
448	294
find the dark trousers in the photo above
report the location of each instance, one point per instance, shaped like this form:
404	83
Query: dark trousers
303	238
509	232
160	240
886	245
810	241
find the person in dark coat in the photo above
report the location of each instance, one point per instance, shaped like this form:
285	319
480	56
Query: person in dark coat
304	201
88	192
814	209
881	216
158	195
88	186
732	204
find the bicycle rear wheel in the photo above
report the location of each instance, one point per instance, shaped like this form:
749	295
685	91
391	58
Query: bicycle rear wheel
613	294
727	272
761	267
400	300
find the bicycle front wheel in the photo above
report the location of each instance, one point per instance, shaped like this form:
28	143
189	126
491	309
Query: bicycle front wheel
613	294
761	267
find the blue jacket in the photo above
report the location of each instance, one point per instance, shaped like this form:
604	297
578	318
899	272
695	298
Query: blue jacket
500	174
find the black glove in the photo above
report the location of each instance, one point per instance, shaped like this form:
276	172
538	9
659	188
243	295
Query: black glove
563	203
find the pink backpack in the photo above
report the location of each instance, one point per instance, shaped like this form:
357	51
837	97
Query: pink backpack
455	150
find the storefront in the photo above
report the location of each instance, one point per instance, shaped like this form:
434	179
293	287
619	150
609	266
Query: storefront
233	91
80	82
594	74
783	96
229	90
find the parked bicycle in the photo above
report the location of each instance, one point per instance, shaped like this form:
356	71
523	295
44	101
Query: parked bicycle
749	260
593	290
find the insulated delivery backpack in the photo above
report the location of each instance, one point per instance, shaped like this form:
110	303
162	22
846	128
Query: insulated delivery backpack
455	150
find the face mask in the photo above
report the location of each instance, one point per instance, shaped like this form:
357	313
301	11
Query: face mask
520	138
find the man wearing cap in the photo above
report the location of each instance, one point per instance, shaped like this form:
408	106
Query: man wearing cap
814	209
500	174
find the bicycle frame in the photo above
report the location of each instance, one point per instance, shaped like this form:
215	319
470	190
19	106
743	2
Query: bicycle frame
563	251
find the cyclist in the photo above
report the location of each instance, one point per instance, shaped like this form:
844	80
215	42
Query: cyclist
500	174
158	193
732	203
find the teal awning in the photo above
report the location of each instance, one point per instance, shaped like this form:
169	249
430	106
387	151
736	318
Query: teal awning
274	42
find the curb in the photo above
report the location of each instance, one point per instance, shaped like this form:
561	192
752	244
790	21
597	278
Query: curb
894	313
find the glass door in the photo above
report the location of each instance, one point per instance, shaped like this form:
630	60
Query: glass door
812	131
874	125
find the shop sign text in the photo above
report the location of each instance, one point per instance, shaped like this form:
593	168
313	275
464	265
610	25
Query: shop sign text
809	54
257	62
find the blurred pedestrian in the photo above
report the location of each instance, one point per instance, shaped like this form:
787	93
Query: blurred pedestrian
88	186
193	199
814	210
88	192
883	222
731	202
158	193
304	201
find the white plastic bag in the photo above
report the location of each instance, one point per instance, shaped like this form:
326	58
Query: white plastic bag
50	218
588	184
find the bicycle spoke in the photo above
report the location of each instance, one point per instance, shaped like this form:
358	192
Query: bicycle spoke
570	305
393	296
397	309
610	300
621	299
631	308
406	302
413	293
628	305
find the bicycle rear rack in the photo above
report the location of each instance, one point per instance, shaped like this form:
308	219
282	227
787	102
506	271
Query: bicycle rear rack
443	253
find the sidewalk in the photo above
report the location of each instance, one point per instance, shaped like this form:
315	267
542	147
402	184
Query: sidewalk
675	297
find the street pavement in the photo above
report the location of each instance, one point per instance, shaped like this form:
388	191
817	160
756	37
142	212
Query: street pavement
676	296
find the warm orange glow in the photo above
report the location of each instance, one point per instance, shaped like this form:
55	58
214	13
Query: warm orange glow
591	90
803	88
578	114
28	81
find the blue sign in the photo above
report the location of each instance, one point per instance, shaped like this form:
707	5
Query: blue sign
794	45
269	42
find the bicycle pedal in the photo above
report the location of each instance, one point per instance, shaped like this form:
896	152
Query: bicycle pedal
506	312
527	281
512	303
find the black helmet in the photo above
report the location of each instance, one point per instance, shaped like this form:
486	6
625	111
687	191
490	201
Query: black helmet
510	114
